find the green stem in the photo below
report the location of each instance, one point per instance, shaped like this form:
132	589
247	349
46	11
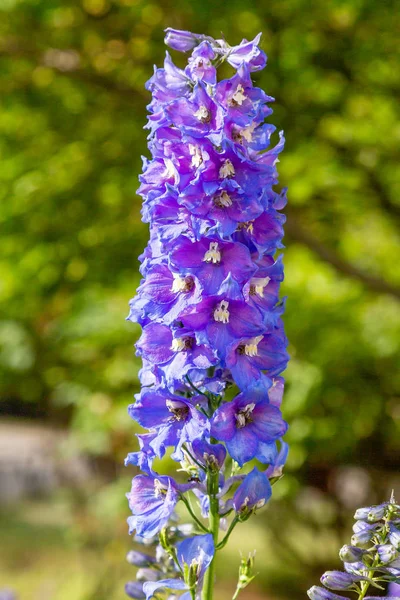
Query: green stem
212	486
228	533
190	510
196	389
237	592
365	584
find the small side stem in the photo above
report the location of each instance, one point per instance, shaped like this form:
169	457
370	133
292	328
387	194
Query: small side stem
365	584
194	517
228	533
212	486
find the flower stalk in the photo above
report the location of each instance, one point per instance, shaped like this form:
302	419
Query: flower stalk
210	313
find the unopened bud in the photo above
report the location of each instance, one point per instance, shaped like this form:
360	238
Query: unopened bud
338	580
320	593
387	553
181	40
147	574
372	514
134	589
246	571
138	559
351	554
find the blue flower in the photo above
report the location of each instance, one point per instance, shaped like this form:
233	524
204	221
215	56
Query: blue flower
245	423
194	556
152	501
176	419
253	493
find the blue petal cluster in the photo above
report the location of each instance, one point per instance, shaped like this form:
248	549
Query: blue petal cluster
372	559
209	301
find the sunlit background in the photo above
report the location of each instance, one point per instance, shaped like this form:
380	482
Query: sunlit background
73	106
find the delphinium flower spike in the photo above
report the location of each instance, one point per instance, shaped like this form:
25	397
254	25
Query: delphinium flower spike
371	560
213	345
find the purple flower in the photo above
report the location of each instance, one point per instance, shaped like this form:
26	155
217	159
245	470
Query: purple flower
175	355
278	461
200	67
253	493
175	418
198	115
219	321
208	302
248	53
210	455
194	556
211	260
248	358
152	501
246	423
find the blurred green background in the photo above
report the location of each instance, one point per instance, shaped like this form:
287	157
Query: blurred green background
72	110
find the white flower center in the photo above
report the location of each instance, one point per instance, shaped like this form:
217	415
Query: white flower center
178	409
227	169
238	97
257	285
160	490
247	132
251	349
213	254
169	168
221	313
195	153
244	415
182	343
248	225
223	200
182	284
203	114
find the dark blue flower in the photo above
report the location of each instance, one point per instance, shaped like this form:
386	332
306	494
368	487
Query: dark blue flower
175	418
245	423
253	493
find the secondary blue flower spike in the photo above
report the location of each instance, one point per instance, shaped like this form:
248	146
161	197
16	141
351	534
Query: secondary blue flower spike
374	563
209	307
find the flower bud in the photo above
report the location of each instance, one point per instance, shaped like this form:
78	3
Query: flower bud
134	589
338	580
353	568
246	571
181	40
146	574
363	533
394	536
351	554
371	513
320	593
138	559
387	553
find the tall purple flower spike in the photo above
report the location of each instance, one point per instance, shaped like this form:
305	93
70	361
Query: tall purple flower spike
208	305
